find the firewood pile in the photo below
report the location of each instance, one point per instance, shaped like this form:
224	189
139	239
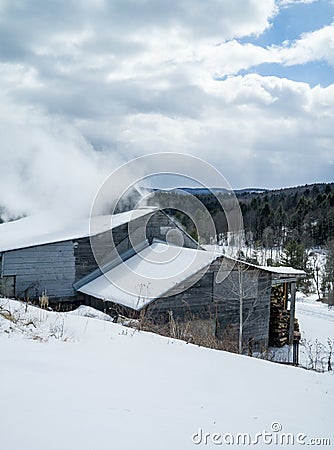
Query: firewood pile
279	319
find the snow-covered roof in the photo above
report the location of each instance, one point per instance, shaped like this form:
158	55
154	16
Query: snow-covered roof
45	229
278	270
148	275
283	270
155	271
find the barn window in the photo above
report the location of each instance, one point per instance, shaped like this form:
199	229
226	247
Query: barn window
8	286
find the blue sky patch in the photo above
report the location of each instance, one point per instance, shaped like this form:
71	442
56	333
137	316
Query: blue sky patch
313	73
294	20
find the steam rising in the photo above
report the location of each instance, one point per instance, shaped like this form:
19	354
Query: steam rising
47	165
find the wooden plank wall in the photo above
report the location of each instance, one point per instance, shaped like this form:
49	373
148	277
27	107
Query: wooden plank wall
47	268
207	299
107	247
159	225
193	302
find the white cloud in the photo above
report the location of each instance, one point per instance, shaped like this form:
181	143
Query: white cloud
231	57
134	77
257	130
314	46
291	2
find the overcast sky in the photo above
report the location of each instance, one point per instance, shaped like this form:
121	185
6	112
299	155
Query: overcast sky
247	85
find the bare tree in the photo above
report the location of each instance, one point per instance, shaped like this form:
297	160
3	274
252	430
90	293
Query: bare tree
314	267
242	286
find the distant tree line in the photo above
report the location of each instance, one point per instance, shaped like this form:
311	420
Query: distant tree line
304	214
286	224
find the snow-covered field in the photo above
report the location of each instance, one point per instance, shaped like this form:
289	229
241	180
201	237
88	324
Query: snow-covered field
316	322
316	318
71	382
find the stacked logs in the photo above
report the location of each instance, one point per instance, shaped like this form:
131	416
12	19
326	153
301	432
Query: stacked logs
279	319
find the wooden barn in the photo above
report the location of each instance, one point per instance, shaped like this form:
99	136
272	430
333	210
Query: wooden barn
151	268
34	259
206	292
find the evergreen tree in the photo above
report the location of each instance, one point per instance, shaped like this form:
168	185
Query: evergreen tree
294	255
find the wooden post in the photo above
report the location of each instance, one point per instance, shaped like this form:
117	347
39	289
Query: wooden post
241	319
292	312
285	295
295	352
2	262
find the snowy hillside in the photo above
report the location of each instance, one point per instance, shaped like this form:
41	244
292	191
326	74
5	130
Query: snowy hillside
71	382
317	327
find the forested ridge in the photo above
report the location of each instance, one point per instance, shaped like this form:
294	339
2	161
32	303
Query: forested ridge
286	225
304	214
270	218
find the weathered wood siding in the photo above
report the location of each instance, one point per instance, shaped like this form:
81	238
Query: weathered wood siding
161	226
207	299
255	309
47	268
124	237
257	327
192	303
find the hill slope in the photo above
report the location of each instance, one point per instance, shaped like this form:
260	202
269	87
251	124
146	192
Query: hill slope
84	383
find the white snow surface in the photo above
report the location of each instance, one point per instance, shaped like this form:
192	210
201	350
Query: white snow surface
316	321
102	386
87	311
45	229
282	270
279	270
149	274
